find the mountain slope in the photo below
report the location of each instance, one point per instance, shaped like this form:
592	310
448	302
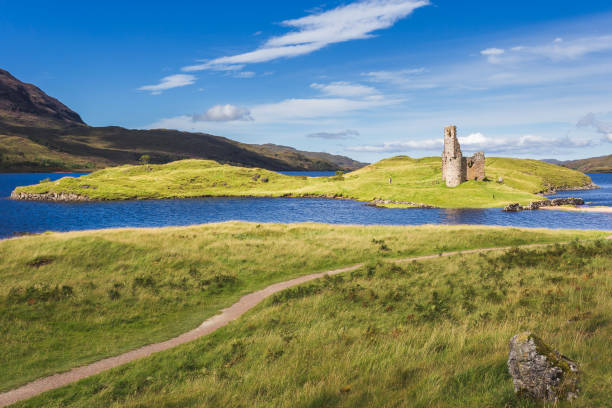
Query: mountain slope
22	103
42	134
601	164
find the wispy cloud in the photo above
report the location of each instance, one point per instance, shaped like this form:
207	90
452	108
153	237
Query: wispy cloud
169	82
555	50
344	89
298	109
354	21
223	113
245	74
345	134
477	142
399	146
404	78
603	128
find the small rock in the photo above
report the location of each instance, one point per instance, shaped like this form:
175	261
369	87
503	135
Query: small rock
514	207
500	179
541	372
567	201
264	179
255	177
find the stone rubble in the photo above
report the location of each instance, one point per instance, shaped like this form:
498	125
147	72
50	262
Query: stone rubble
49	197
534	205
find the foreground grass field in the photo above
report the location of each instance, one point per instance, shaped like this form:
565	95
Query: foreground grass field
413	180
71	298
418	334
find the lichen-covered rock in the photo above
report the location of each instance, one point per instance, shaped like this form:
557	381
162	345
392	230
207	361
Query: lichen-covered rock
541	372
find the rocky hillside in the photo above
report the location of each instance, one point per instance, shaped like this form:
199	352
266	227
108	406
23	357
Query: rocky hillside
22	103
39	133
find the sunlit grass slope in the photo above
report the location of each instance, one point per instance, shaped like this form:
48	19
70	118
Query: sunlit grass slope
22	154
71	298
413	180
424	334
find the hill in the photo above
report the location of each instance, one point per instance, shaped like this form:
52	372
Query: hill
601	164
22	103
414	182
39	133
432	332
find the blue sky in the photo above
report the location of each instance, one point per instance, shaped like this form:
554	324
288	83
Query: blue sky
367	79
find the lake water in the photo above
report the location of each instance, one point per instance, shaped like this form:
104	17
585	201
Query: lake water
17	217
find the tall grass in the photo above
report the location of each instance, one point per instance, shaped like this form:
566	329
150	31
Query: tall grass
72	298
423	334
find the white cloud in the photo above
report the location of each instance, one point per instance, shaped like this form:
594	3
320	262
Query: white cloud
556	50
344	89
492	51
345	23
296	109
603	128
169	82
527	144
493	54
345	134
223	113
282	112
405	78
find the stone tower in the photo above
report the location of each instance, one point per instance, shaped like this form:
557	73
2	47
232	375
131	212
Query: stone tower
452	159
455	168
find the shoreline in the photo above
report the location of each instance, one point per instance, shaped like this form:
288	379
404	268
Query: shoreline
579	209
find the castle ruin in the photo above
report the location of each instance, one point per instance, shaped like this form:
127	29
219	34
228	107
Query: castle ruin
455	168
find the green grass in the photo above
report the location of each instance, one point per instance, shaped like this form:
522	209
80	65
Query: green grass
20	153
420	334
414	180
71	298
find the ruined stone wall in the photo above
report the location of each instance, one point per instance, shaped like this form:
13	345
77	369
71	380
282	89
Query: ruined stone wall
475	167
453	165
455	168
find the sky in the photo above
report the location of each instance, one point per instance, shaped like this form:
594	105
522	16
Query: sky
366	79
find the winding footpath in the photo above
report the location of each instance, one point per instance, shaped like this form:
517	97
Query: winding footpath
226	316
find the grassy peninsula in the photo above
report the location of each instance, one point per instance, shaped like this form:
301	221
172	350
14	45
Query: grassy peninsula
71	298
413	181
424	333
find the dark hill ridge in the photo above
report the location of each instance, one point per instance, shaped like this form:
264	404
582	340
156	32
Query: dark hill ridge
26	103
39	133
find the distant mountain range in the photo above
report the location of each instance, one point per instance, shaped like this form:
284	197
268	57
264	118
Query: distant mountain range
601	164
39	133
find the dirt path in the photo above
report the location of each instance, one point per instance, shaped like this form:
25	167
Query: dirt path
226	316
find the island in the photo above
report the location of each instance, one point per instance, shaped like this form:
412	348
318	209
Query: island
399	181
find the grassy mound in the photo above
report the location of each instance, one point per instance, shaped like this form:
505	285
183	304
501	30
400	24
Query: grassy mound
71	298
413	180
420	334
